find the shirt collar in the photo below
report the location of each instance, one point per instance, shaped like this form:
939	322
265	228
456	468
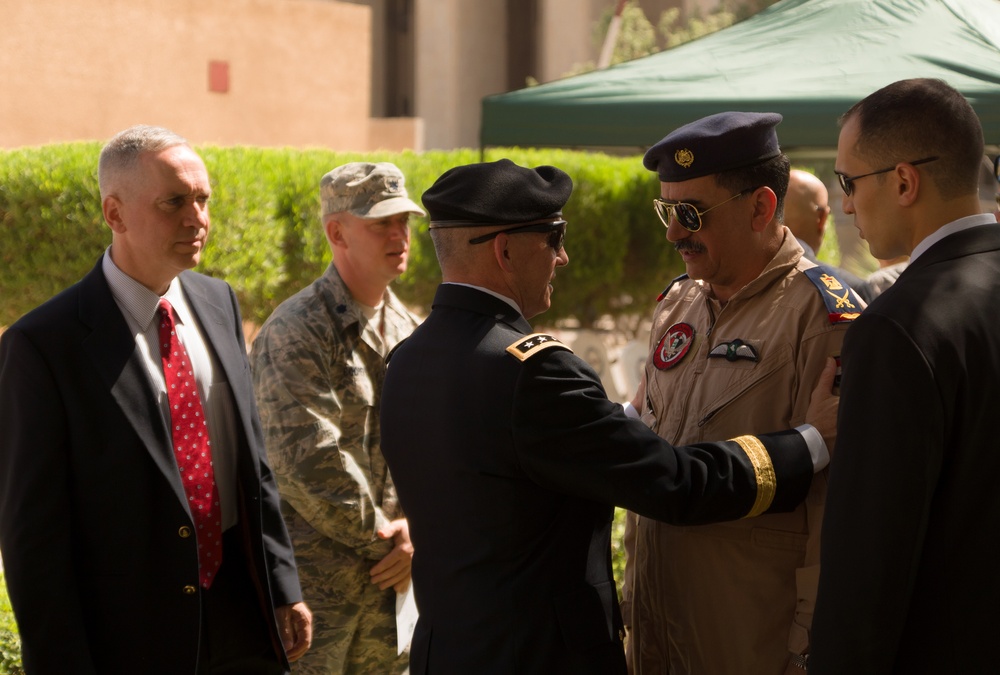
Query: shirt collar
489	292
140	302
951	228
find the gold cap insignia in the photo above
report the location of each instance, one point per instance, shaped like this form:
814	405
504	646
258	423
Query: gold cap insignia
684	157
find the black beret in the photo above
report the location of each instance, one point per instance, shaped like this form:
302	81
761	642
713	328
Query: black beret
713	144
496	193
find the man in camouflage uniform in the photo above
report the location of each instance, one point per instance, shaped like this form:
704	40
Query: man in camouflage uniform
318	366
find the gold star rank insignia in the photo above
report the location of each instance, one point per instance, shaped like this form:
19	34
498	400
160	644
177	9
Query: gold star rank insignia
529	345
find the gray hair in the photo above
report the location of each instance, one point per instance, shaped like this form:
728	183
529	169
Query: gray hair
121	154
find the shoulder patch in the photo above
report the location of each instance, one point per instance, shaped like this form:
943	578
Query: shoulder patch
671	285
529	345
842	303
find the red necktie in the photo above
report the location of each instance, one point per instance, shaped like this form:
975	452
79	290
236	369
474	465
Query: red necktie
192	449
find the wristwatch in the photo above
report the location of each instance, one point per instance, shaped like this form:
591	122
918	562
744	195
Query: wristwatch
800	661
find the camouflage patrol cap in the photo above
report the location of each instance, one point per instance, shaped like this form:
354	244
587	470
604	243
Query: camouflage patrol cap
366	190
713	144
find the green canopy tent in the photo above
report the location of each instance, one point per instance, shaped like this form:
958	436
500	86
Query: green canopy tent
809	60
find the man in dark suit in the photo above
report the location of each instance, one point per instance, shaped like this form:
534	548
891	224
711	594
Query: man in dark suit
910	540
111	558
508	457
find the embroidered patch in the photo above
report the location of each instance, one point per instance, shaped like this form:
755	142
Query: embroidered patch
673	346
735	350
842	303
684	157
529	345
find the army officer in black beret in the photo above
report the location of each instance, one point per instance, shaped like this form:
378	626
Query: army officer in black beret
509	458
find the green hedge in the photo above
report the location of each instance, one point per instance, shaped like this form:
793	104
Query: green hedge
267	241
10	643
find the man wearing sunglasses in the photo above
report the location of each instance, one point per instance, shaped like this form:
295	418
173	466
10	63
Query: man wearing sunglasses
509	458
737	344
910	538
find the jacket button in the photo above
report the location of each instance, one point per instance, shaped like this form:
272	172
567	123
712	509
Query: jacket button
184	532
190	590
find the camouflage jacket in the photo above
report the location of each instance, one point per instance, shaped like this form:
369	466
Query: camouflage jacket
318	367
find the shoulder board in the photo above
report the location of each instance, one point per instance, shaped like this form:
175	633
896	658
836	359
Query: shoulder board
842	303
671	285
529	345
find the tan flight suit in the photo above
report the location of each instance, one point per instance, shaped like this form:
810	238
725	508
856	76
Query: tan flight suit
733	598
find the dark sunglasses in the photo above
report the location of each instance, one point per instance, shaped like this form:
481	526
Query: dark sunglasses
555	229
847	182
686	214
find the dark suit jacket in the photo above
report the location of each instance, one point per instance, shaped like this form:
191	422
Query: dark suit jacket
508	471
91	502
908	580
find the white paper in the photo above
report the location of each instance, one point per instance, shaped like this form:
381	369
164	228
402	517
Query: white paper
406	618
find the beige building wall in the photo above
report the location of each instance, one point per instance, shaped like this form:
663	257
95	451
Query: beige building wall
460	58
298	71
567	35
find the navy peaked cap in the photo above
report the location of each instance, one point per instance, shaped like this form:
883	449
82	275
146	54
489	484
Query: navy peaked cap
713	144
497	193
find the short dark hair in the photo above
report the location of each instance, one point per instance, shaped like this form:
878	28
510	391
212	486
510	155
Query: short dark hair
913	119
773	173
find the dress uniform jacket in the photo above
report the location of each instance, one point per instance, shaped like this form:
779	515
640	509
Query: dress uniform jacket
733	598
93	514
508	458
910	537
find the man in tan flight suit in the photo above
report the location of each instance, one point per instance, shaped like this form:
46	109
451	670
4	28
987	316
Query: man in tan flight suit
736	345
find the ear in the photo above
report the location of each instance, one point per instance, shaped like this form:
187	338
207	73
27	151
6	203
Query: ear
112	209
334	232
822	217
501	252
765	202
908	187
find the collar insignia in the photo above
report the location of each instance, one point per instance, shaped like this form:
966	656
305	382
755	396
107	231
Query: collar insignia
673	346
684	157
734	351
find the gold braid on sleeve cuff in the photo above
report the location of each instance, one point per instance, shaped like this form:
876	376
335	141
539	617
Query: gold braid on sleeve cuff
767	482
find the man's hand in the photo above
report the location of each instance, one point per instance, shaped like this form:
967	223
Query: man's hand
295	628
823	405
640	395
394	569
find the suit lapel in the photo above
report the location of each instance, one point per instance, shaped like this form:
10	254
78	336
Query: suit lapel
111	347
217	320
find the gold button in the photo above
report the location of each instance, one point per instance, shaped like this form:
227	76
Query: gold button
190	590
184	532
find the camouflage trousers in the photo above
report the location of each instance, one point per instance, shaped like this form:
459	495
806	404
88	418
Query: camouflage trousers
354	623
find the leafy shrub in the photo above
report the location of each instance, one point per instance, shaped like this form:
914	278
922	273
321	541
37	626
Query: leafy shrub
10	643
267	241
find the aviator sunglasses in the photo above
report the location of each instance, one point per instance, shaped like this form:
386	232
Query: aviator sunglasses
556	230
686	214
847	182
